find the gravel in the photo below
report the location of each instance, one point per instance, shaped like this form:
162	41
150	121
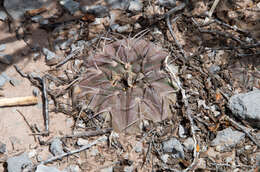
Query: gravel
6	59
227	139
56	147
17	163
2	47
167	3
173	146
246	106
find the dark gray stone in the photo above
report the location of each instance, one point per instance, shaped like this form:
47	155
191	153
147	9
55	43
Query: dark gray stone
138	147
2	148
227	139
50	57
117	4
6	59
17	163
43	168
135	6
246	106
97	10
173	146
70	5
56	147
167	3
182	131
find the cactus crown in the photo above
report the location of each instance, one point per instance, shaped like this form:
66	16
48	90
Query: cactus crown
127	78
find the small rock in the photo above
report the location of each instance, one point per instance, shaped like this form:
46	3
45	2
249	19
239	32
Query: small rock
50	57
72	168
227	139
128	168
246	106
137	26
114	27
37	19
70	5
164	158
117	4
17	163
167	3
35	56
56	147
138	147
32	153
6	59
109	169
66	44
214	68
2	148
125	28
2	47
97	10
135	6
181	131
189	144
3	15
43	168
82	142
94	152
173	146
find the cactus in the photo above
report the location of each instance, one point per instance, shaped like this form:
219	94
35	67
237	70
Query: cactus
127	78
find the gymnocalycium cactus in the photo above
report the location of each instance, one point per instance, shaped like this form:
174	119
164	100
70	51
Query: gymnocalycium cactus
127	78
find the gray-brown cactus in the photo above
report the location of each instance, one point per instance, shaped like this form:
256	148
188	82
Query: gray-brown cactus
127	78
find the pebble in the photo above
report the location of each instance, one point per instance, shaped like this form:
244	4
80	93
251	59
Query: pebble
227	139
2	47
138	147
173	146
97	10
214	68
2	148
14	82
16	163
246	106
82	142
189	144
135	6
72	168
117	4
56	147
182	132
6	59
164	158
167	3
125	28
50	57
70	5
43	168
128	168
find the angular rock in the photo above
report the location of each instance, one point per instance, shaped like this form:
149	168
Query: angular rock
2	148
117	4
128	168
165	158
50	57
167	3
37	19
17	163
43	168
138	147
227	139
56	147
70	5
189	144
135	6
125	28
97	10
246	106
173	146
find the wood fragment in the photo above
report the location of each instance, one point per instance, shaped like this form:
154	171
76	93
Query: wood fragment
18	101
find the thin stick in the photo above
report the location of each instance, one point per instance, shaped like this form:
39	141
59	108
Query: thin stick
103	138
89	133
18	101
211	11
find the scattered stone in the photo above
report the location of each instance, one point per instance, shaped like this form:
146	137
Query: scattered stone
17	8
214	68
3	79
167	3
6	59
70	5
44	22
182	132
246	106
164	158
43	168
173	146
189	144
72	168
117	4
56	147
125	28
138	147
50	57
114	27
2	47
228	159
82	142
135	6
2	148
97	10
32	153
18	163
109	169
37	19
227	139
128	168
